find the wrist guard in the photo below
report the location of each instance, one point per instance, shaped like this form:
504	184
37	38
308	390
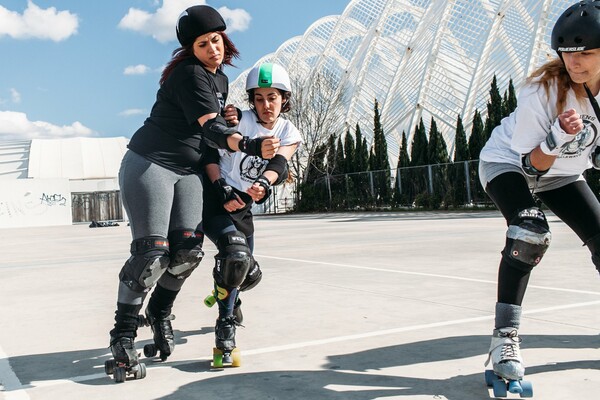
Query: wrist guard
264	182
252	147
530	169
224	190
555	140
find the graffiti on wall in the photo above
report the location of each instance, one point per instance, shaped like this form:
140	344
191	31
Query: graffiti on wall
31	202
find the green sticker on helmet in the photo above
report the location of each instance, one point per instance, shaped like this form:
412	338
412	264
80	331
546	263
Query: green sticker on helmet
265	75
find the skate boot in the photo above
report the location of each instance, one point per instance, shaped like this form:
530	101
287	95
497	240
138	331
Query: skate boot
164	340
225	352
508	370
125	360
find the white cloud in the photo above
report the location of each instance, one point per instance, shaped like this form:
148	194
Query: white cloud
161	24
237	20
38	23
16	125
15	96
132	111
139	69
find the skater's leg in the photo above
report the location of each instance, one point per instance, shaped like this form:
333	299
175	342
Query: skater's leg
145	190
527	239
159	317
123	334
504	352
577	206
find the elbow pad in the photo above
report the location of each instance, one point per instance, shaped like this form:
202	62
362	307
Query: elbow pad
216	132
279	165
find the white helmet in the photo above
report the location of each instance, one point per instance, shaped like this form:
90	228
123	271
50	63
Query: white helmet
268	75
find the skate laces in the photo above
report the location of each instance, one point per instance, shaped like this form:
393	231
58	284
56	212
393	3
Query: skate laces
510	347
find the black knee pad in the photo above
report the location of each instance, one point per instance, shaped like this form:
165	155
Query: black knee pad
527	239
252	278
233	261
594	245
186	252
148	261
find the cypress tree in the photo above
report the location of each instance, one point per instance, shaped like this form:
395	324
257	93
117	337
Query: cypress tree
461	148
438	155
494	108
349	153
461	155
401	192
418	151
437	150
476	139
340	162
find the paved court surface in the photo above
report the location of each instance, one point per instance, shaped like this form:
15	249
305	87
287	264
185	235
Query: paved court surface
352	306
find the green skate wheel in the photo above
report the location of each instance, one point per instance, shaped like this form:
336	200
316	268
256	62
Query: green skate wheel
217	358
210	300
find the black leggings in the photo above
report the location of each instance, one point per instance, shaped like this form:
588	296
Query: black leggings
575	204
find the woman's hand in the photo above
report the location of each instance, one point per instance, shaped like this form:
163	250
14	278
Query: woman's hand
230	113
570	122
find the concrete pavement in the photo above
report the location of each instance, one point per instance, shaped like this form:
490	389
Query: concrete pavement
352	306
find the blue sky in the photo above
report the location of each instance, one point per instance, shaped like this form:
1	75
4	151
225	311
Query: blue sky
90	68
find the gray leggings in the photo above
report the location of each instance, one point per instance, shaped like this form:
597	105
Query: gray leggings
157	201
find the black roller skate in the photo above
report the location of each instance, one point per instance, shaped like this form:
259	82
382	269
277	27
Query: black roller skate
125	361
225	353
164	339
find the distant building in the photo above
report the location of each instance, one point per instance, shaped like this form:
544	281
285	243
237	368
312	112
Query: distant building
421	59
60	181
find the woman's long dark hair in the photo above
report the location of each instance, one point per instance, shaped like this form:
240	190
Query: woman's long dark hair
185	52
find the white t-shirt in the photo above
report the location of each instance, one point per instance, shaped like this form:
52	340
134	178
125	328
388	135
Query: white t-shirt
240	170
530	123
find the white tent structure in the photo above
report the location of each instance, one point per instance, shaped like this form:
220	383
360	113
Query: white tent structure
420	58
60	181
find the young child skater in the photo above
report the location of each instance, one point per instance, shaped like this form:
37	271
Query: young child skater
238	181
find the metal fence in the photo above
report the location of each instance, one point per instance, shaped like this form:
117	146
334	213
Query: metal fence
451	185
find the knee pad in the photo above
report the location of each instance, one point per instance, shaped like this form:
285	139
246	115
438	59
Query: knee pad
252	278
148	261
594	245
233	261
527	239
186	252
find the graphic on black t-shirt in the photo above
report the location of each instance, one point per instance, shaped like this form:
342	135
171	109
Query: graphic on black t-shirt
251	168
221	100
584	139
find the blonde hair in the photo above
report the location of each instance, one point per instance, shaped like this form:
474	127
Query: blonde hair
555	73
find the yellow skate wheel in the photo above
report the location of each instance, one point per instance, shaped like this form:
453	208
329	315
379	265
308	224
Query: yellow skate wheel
236	357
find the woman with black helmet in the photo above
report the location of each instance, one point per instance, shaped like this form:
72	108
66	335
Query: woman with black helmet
543	148
161	184
238	181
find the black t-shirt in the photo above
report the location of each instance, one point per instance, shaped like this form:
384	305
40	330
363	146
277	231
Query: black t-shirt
171	136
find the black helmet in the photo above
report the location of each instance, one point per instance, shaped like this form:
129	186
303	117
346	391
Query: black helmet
197	21
578	28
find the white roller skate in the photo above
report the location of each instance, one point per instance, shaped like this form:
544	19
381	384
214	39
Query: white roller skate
507	363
